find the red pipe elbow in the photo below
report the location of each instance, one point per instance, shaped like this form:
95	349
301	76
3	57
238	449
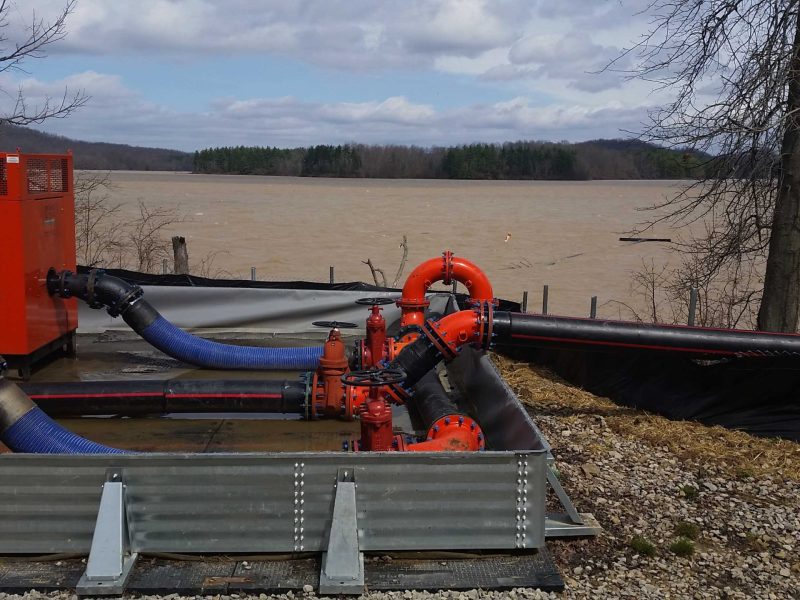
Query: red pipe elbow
453	433
447	269
453	331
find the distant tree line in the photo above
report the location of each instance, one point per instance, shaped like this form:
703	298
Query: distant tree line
95	155
599	159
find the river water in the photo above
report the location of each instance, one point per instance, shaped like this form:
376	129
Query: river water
523	234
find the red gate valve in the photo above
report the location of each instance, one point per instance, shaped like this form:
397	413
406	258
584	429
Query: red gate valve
377	433
327	390
374	347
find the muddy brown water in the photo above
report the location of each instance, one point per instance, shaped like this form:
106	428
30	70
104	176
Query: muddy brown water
564	234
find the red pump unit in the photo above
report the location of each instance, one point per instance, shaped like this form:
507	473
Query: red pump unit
37	233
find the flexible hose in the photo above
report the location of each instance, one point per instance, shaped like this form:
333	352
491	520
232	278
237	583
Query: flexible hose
124	299
198	351
25	428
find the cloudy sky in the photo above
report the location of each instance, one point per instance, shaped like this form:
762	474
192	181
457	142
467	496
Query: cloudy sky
189	74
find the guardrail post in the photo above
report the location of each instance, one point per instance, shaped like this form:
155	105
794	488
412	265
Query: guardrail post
110	560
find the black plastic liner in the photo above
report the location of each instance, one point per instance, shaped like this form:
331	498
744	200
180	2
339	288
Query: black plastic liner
138	278
758	395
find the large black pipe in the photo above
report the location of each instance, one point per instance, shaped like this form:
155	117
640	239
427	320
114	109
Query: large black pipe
133	398
587	334
520	329
430	400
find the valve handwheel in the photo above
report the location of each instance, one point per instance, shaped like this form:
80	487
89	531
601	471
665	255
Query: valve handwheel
334	324
373	377
378	301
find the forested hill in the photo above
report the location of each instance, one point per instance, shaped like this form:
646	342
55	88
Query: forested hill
95	155
597	159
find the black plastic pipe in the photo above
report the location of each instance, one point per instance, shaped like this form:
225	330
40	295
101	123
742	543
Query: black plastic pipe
133	398
430	401
569	332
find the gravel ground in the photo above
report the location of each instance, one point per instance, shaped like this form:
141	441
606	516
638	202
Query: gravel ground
731	503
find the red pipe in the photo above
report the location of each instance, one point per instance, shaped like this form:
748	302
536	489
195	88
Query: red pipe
453	433
447	269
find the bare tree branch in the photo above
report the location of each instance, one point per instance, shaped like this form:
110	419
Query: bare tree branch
375	272
38	35
402	266
728	66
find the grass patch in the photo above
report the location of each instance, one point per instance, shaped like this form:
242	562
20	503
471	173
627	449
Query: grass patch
687	530
754	542
682	547
690	492
642	545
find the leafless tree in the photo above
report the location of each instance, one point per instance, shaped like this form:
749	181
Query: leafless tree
732	69
375	271
98	229
36	37
728	301
145	234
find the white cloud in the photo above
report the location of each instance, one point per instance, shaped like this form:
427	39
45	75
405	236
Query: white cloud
545	56
118	114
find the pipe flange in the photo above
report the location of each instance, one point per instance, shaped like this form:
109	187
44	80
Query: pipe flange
489	326
440	343
308	405
127	300
91	298
447	269
62	284
408	330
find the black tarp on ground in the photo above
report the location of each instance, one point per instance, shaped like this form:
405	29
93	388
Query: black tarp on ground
757	395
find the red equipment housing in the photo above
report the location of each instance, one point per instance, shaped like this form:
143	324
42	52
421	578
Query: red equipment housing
37	232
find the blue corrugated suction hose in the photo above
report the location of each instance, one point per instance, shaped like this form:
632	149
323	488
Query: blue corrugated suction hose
194	350
25	428
124	299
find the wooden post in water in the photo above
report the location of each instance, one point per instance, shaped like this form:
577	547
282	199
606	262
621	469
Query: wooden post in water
180	255
545	297
692	305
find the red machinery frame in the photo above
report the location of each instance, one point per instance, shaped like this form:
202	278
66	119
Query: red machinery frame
37	232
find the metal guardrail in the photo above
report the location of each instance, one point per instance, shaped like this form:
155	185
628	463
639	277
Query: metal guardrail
274	502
